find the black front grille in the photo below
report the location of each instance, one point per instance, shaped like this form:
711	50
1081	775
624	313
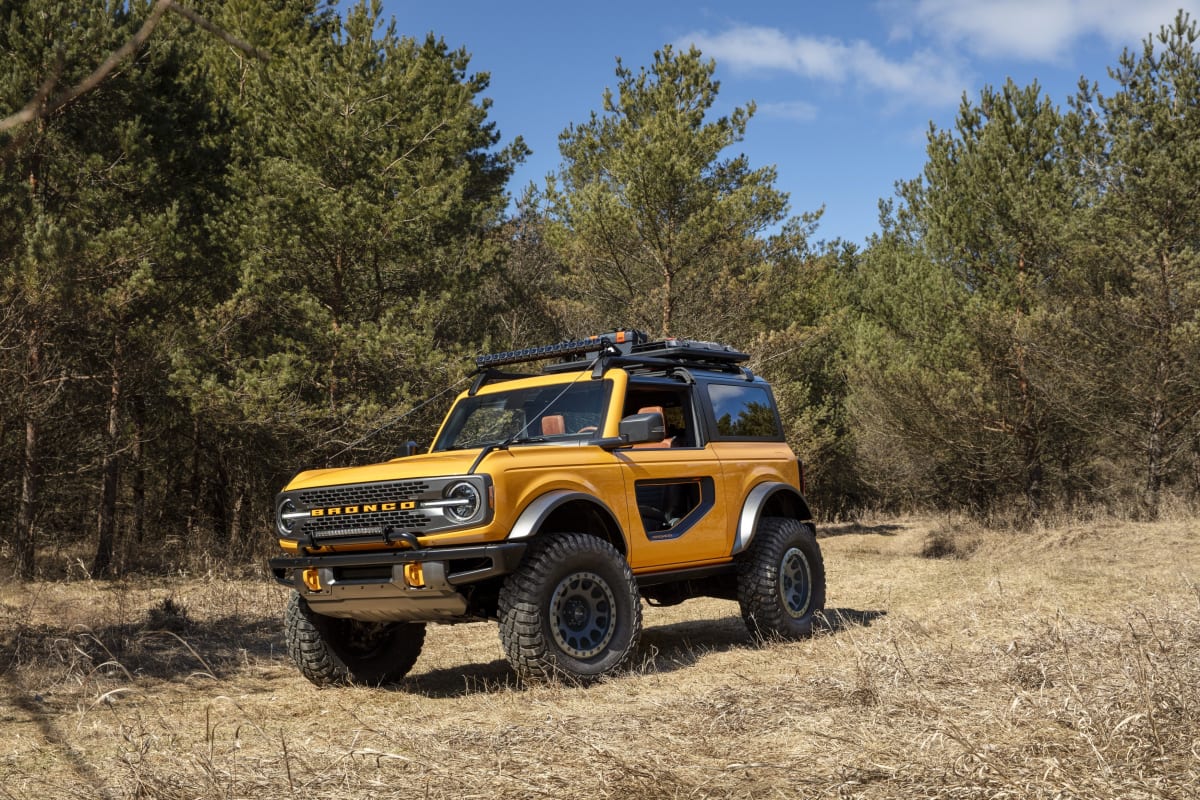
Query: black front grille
362	493
358	522
382	510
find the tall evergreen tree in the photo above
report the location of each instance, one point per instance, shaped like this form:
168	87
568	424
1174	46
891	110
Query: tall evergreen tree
359	234
152	247
67	176
1147	320
994	211
653	222
650	222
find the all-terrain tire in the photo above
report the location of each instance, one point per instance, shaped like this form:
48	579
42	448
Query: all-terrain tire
331	651
570	611
781	580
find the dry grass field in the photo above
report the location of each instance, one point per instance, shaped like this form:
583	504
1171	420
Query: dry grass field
1055	664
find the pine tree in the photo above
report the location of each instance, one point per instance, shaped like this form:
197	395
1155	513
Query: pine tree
358	233
653	223
54	186
992	221
1147	309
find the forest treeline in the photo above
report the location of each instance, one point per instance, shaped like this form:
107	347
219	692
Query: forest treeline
218	269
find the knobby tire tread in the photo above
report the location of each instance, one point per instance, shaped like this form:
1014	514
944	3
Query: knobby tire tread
315	655
758	575
521	623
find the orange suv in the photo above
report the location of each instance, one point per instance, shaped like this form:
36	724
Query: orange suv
554	503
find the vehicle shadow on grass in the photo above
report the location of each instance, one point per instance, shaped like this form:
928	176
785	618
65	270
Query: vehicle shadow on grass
462	680
839	619
172	649
680	645
663	649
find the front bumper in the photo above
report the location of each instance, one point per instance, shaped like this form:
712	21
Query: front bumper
372	586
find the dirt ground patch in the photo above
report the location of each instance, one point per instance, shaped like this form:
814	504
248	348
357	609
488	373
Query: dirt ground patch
1060	663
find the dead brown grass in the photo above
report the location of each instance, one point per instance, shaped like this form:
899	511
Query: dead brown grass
1064	663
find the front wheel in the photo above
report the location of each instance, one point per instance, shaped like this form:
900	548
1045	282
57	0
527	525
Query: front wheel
331	650
571	610
781	580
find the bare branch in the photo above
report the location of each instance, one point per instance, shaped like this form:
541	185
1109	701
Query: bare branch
38	106
35	108
220	33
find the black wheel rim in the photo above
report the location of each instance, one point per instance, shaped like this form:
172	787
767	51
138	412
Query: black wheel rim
795	583
582	614
364	639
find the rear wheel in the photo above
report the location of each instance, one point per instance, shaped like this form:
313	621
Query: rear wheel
781	580
331	651
571	610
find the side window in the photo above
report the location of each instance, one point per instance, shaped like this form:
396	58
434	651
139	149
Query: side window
676	407
744	412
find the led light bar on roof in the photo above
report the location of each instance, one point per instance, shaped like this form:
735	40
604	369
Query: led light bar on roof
575	347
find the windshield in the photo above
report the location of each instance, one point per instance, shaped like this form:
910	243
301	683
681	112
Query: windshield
541	414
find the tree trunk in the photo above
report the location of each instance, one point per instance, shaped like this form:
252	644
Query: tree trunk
1027	430
31	464
137	458
1034	476
27	515
668	304
102	564
219	500
235	518
1195	493
195	483
1154	462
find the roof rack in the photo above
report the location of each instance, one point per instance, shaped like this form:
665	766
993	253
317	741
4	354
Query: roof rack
691	350
622	348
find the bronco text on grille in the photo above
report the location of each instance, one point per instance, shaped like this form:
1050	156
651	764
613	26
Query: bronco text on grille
380	510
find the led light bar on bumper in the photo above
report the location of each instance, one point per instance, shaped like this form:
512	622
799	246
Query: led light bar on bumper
383	510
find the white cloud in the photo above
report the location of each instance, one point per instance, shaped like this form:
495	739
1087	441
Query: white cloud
797	110
923	75
1033	30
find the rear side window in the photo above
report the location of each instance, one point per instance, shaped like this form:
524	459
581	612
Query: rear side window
744	412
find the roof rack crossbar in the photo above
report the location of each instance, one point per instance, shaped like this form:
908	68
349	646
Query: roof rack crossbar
658	362
621	348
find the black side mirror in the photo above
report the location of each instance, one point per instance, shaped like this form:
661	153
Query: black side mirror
637	429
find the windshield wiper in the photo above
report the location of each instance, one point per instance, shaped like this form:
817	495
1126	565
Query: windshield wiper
516	438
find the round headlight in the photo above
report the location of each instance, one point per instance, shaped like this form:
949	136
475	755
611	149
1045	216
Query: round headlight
282	520
468	501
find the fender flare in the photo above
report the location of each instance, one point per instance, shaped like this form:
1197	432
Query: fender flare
537	512
753	506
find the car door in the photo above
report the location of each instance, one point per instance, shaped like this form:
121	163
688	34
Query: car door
676	504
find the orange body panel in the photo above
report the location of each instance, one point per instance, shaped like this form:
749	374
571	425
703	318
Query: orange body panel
522	473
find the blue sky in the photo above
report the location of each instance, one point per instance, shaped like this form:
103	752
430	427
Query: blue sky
845	90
